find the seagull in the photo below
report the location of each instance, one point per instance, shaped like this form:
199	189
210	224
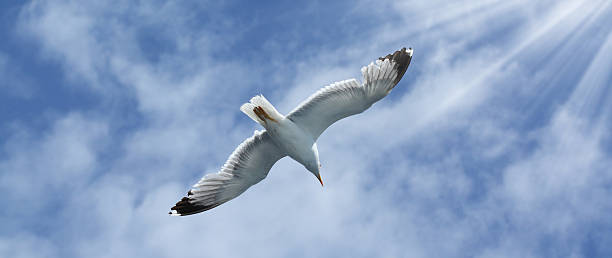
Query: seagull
294	135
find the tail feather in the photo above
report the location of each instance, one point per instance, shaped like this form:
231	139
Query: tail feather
261	110
248	108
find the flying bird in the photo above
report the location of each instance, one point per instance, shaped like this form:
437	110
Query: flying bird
294	135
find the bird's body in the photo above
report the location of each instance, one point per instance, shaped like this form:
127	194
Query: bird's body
294	135
293	140
289	137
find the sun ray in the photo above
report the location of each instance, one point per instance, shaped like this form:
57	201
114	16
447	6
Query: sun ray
566	15
591	99
530	37
564	40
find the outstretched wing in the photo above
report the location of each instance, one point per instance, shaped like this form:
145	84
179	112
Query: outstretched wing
248	164
346	98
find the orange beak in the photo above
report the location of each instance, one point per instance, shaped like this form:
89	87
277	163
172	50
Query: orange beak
319	177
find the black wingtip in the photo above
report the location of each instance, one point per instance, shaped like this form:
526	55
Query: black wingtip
188	206
402	58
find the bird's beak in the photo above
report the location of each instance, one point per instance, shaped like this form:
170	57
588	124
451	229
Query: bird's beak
319	177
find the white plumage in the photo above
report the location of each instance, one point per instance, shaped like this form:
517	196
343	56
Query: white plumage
294	135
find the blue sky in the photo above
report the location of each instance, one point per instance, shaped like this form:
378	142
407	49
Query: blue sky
496	143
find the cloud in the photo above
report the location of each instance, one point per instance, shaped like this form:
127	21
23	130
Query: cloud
56	162
26	246
460	160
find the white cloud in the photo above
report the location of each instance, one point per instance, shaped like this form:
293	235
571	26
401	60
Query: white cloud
41	174
64	157
414	176
27	246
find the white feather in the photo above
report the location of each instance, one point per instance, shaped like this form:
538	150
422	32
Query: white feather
248	164
294	136
344	98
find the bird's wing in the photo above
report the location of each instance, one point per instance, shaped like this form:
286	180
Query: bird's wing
346	98
248	164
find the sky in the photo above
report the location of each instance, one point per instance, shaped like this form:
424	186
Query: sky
496	143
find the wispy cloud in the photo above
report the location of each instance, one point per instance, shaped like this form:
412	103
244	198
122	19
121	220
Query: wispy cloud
492	146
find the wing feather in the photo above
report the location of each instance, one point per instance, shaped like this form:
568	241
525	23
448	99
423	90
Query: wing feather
346	98
253	159
248	164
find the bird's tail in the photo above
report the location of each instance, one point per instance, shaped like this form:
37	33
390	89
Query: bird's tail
261	110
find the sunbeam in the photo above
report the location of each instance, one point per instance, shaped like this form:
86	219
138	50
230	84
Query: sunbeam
477	88
497	142
591	99
555	72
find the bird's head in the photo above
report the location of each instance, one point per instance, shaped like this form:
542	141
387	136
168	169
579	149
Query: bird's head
314	165
315	170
